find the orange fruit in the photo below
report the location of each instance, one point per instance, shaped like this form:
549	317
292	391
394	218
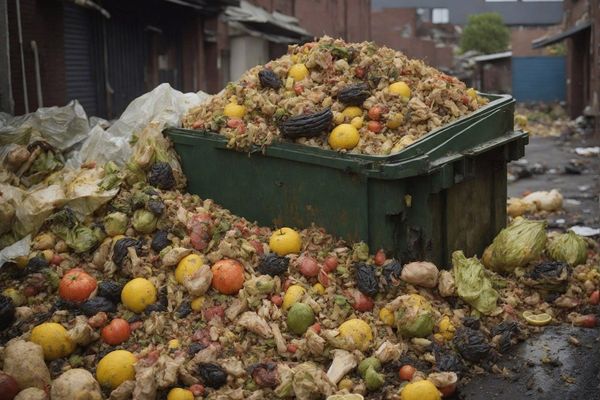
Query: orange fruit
228	276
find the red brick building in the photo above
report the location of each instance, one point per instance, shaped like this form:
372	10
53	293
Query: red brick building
580	32
110	52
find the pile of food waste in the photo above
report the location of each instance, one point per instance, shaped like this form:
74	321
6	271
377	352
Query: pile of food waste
161	294
351	97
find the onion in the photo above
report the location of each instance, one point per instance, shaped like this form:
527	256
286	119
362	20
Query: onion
309	267
330	264
8	387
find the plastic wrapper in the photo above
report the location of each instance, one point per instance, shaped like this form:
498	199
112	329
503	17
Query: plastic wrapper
520	243
568	247
414	315
472	283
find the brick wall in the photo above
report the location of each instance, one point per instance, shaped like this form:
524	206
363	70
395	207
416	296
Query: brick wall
41	21
522	36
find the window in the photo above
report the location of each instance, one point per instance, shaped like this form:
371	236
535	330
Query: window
440	16
424	14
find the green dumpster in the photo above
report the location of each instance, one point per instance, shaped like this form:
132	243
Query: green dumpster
445	192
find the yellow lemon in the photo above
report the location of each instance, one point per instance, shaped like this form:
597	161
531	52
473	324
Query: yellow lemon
446	328
138	294
180	394
399	89
234	110
344	136
298	72
292	295
352	111
394	121
319	289
537	319
285	241
115	368
197	303
420	390
54	339
357	122
358	331
174	344
188	267
386	316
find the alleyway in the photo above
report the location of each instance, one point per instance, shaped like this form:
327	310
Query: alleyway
550	366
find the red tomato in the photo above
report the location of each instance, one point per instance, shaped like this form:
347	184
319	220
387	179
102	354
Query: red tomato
316	327
76	285
361	302
375	113
116	332
197	389
330	264
309	266
406	372
374	126
298	89
198	125
586	321
228	276
211	312
292	348
56	259
135	325
595	297
277	300
380	257
234	122
359	72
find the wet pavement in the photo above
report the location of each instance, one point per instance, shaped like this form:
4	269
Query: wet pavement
548	366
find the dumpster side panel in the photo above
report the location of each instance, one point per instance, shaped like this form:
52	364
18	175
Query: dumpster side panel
278	192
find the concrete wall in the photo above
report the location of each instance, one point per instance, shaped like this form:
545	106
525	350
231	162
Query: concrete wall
247	52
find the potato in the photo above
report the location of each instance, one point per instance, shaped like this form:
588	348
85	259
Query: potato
32	394
75	384
24	361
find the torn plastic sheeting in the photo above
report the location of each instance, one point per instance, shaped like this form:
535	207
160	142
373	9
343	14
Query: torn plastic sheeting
163	104
17	249
585	230
61	127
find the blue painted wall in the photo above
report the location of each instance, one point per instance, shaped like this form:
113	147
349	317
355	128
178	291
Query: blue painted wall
538	78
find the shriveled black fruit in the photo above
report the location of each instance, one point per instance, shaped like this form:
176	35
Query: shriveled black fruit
471	344
120	249
272	264
7	312
156	207
195	347
161	176
309	125
269	79
160	241
366	280
354	95
96	304
392	272
110	290
184	309
212	375
36	264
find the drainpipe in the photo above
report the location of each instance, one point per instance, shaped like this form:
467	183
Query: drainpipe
38	77
20	32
